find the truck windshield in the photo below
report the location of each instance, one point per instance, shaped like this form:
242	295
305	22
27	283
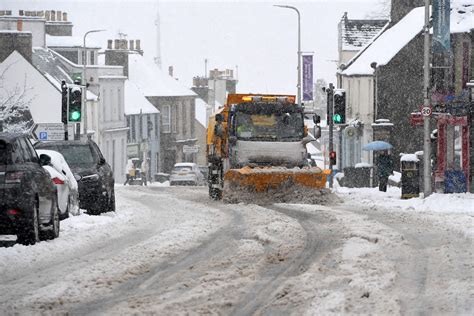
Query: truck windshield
279	127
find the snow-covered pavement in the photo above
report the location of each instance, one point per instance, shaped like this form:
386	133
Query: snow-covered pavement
170	250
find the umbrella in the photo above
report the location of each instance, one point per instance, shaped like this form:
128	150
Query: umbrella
377	145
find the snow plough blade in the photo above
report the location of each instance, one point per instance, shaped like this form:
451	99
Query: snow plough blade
279	184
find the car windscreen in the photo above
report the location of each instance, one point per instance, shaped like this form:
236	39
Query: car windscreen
76	155
180	168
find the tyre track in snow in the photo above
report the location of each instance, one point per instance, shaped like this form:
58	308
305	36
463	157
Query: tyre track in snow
177	269
321	238
434	265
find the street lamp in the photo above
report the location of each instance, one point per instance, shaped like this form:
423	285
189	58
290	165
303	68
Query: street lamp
84	62
299	49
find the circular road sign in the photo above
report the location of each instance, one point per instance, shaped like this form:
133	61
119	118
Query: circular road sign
426	111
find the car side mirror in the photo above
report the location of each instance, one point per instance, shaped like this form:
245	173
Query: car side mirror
101	160
317	131
44	160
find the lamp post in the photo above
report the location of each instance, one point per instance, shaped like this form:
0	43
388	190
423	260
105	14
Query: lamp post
298	86
84	63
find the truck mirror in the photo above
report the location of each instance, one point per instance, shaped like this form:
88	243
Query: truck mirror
219	118
317	131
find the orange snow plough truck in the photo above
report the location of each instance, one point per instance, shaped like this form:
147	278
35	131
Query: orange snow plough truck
257	144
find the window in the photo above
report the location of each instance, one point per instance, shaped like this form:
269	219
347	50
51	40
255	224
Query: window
174	119
112	105
157	129
119	104
184	118
83	57
132	119
92	59
166	119
129	128
104	100
140	126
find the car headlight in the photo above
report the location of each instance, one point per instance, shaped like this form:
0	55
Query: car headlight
94	177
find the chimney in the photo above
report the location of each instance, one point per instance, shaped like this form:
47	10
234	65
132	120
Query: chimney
124	44
132	46
137	44
65	16
109	44
59	15
53	16
47	15
170	71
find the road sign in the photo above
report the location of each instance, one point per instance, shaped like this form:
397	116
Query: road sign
426	111
190	149
49	131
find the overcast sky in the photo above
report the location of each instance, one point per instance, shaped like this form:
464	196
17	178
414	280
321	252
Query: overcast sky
255	36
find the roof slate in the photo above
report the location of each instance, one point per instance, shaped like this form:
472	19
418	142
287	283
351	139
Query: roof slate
355	34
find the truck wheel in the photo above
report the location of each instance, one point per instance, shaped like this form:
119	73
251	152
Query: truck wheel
29	233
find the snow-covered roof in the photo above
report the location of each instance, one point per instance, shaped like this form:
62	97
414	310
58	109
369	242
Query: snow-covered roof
201	111
153	82
355	34
69	41
462	16
409	157
387	45
134	100
383	48
52	68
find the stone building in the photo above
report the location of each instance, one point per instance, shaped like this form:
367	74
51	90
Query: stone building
175	102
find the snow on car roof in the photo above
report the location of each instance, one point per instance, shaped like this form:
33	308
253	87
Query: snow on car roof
185	164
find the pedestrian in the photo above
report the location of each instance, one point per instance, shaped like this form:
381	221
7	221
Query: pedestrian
144	171
384	169
129	172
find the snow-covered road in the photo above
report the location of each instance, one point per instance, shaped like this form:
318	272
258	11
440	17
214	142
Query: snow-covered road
170	250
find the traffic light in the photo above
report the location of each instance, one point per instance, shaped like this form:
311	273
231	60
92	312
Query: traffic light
64	100
339	115
75	105
332	158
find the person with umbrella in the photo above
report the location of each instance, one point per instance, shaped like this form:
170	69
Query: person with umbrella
384	169
384	161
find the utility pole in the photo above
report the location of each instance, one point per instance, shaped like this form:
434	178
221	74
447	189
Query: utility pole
426	103
330	122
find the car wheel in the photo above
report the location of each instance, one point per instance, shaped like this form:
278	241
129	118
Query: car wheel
66	214
53	226
111	205
29	233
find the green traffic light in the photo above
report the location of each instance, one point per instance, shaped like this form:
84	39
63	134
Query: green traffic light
337	118
75	116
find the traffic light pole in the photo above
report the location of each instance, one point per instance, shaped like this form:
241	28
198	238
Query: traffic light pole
426	119
330	92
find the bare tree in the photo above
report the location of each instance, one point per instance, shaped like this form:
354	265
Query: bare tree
15	115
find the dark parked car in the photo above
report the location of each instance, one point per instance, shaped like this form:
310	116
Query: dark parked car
94	176
28	198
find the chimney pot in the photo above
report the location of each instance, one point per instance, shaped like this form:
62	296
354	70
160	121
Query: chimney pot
59	15
9	12
137	44
132	46
53	15
124	44
47	15
21	12
116	44
65	16
170	71
2	12
109	44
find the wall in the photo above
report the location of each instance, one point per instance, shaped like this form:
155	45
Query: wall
34	25
19	41
400	92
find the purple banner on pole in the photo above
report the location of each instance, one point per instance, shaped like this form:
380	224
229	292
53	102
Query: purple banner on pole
441	27
308	78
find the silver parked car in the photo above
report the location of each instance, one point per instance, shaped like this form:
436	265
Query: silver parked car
186	173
